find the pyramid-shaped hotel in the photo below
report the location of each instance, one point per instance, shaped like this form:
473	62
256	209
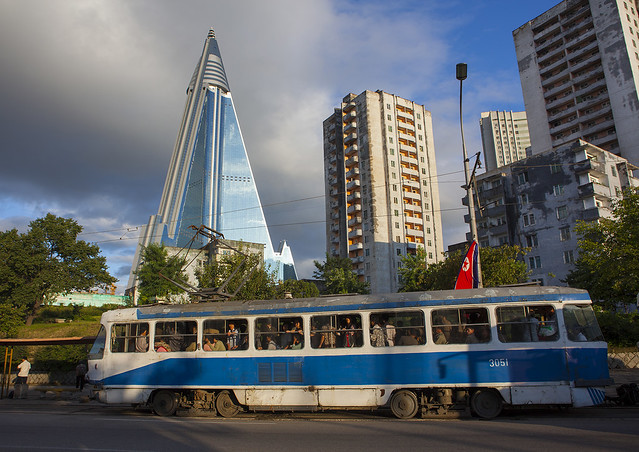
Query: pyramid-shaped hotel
210	181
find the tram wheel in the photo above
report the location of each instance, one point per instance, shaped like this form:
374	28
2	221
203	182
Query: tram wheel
165	403
404	404
486	403
225	405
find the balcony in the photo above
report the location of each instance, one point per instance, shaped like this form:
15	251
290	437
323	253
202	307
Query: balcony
354	233
333	204
591	214
334	228
410	183
354	160
334	239
354	208
403	114
351	150
588	165
593	189
411	195
334	192
349	116
354	196
332	169
355	247
350	138
413	208
352	184
408	159
408	147
582	64
413	220
332	158
410	172
357	260
405	136
414	232
353	221
348	106
353	172
332	180
335	215
350	127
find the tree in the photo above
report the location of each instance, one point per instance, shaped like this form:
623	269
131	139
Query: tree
297	289
608	262
46	261
337	275
259	283
155	259
500	266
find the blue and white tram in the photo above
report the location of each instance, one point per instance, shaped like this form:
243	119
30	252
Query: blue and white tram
423	352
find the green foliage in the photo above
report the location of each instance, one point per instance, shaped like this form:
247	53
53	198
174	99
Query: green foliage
619	330
298	289
74	312
46	261
500	266
62	358
608	263
155	260
10	320
338	276
260	282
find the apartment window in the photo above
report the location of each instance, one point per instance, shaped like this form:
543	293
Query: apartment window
420	137
399	250
523	199
392	151
419	116
367	252
394	175
564	233
554	169
387	106
529	219
522	177
421	149
394	187
562	212
534	262
396	213
531	241
395	200
613	171
392	164
390	139
419	127
558	190
423	170
569	258
389	117
390	128
396	225
421	159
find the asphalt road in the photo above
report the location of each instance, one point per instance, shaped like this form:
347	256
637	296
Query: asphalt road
55	426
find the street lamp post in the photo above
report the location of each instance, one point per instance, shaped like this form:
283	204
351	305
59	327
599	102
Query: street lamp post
461	73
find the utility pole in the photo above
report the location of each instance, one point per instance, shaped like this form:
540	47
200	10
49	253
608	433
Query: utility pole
461	74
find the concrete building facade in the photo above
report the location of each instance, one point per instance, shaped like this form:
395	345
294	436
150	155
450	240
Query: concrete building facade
536	202
504	137
579	69
382	197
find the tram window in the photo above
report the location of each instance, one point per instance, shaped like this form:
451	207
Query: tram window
97	349
279	333
397	328
232	334
336	331
129	337
176	336
581	323
460	326
526	323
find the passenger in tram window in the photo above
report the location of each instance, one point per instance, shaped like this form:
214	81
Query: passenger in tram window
142	342
470	335
347	333
409	338
447	328
533	327
286	339
377	334
270	343
439	336
316	336
161	346
329	339
207	346
390	333
297	344
576	335
176	342
548	328
232	337
193	340
261	342
482	332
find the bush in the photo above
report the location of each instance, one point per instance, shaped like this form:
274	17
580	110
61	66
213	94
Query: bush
619	330
59	358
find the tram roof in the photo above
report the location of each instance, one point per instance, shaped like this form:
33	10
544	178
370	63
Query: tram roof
336	303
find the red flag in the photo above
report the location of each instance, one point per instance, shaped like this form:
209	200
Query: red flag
468	277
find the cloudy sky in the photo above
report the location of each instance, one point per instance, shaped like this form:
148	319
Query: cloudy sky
92	93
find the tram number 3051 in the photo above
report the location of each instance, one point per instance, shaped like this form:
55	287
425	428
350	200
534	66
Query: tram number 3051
498	362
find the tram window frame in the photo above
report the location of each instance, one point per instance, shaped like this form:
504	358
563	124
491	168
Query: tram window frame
515	323
580	320
219	329
287	333
456	324
397	327
125	336
332	331
173	336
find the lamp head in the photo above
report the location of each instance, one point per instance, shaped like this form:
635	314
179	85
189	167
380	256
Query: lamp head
461	71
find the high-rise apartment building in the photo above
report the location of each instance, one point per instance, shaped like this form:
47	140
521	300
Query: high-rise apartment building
536	202
210	181
579	69
504	137
382	197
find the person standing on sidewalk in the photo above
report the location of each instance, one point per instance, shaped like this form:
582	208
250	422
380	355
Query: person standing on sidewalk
21	386
80	375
